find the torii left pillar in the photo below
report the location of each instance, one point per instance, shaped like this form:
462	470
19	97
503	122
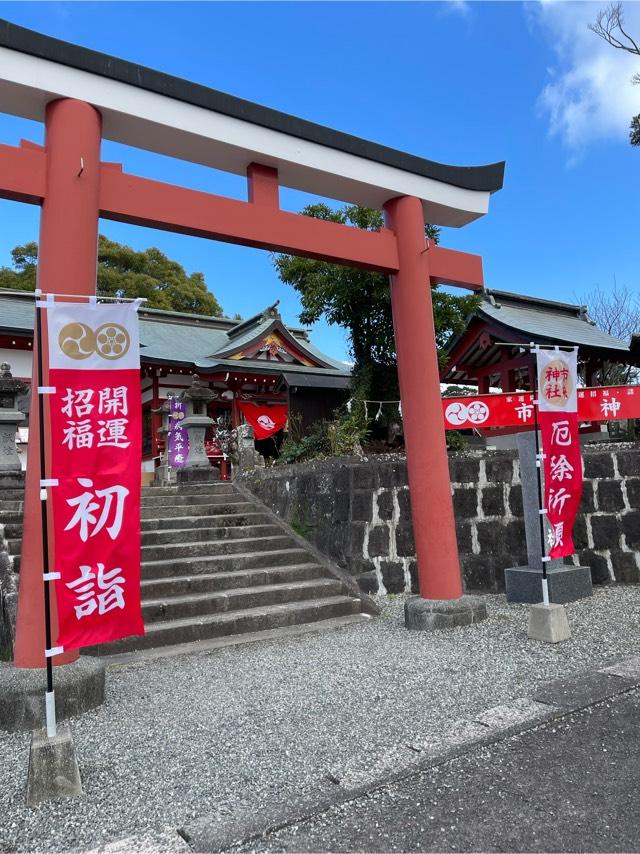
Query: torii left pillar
67	263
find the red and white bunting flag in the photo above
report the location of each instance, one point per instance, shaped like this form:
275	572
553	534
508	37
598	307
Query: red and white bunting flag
95	423
265	420
558	419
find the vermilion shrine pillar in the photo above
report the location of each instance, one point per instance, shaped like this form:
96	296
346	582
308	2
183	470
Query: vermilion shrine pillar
67	262
427	462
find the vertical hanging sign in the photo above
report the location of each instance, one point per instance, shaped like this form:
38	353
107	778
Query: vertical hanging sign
96	447
558	416
178	436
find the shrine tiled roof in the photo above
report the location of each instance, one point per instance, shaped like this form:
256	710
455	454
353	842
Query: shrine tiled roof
168	337
546	321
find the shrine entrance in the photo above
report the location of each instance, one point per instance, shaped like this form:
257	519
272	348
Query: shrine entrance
83	96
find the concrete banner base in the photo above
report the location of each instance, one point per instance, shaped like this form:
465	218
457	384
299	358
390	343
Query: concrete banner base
430	615
566	584
78	687
53	768
548	623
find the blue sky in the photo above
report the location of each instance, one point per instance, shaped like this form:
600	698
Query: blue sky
460	82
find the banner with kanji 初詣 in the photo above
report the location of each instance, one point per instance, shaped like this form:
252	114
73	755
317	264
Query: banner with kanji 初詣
95	422
558	420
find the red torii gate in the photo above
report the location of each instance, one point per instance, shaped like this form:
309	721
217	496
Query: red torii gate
74	188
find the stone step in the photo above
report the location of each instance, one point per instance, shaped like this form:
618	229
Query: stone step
154	588
10	506
7	494
207	535
11	518
180	500
224	520
237	505
215	547
223	563
232	623
238	599
218	488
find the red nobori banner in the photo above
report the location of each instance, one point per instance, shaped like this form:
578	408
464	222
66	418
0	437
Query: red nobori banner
561	455
95	422
516	410
265	420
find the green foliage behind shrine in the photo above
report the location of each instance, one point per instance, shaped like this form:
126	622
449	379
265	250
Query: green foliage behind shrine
360	301
125	272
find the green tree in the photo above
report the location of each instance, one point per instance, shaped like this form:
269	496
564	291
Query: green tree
124	272
360	301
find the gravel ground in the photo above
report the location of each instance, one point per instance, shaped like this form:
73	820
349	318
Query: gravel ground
215	734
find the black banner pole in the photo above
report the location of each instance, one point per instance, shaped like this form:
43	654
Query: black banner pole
50	704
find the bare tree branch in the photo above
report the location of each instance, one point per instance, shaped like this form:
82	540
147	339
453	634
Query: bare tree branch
609	22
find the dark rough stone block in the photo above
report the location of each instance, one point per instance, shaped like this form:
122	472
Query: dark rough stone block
356	538
341	479
597	564
430	615
385	475
464	469
362	505
405	543
598	465
625	567
483	572
493	501
413	573
400	477
631	529
606	532
491	537
392	576
633	492
566	584
379	541
465	502
404	503
340	507
359	566
385	504
368	582
610	496
587	503
514	537
463	534
365	476
629	462
499	469
580	540
515	500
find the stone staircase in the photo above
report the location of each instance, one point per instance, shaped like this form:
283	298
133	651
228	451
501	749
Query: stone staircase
216	563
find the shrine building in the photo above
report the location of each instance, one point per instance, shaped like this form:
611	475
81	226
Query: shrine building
258	359
488	353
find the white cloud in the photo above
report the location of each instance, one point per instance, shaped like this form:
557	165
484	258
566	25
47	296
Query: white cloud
589	95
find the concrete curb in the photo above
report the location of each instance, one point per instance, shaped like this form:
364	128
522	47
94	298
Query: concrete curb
553	701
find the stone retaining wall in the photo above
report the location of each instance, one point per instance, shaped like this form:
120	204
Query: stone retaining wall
358	513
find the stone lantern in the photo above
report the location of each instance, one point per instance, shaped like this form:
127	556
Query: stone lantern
196	397
10	418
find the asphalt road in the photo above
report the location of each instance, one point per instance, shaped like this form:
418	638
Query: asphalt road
570	785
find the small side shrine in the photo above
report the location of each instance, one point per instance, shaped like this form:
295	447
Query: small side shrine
488	353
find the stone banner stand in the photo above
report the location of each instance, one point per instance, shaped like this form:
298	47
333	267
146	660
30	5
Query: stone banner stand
524	583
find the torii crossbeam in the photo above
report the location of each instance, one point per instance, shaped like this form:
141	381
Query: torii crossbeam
83	96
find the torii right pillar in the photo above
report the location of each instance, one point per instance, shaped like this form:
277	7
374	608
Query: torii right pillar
441	602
